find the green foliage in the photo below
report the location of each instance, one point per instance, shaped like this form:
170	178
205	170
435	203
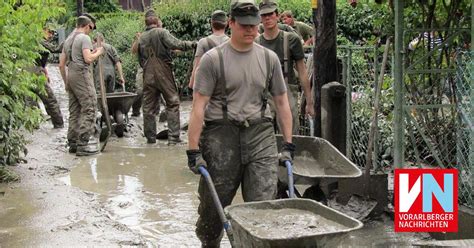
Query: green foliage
7	175
21	30
103	6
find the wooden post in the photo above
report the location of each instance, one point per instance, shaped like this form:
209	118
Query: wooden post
80	7
324	54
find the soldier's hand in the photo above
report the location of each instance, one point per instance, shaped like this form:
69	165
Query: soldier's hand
122	81
287	153
195	160
100	50
194	44
137	35
309	108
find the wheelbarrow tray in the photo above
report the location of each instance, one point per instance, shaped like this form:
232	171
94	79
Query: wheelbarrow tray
119	101
293	222
316	158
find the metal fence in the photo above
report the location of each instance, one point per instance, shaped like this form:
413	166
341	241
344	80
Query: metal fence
465	129
361	66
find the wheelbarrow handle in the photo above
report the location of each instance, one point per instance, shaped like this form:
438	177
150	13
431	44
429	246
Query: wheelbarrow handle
217	203
291	187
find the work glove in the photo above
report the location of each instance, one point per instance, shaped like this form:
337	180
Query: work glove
287	153
195	160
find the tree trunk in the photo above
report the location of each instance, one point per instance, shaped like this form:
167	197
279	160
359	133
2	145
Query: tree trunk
324	54
80	7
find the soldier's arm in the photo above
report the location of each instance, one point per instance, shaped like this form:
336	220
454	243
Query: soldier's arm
62	67
135	43
196	119
304	80
193	73
284	115
174	43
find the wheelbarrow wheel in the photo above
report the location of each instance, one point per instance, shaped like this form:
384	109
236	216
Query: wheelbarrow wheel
120	127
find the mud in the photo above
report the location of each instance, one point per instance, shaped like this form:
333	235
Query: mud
133	194
284	223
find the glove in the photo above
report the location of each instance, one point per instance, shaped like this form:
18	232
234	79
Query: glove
287	153
195	160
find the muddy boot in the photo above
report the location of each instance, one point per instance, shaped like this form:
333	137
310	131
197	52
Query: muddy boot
173	140
151	140
89	148
72	146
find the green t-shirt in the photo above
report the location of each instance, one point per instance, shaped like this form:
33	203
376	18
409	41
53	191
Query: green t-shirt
304	30
295	52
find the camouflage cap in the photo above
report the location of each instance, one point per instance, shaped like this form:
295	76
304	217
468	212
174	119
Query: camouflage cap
219	16
268	7
245	12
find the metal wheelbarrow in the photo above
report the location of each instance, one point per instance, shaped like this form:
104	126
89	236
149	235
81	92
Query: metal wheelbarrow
294	222
119	103
315	159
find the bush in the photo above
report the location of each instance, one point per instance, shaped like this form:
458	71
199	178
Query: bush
21	30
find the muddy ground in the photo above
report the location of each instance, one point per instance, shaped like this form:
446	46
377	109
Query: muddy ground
133	194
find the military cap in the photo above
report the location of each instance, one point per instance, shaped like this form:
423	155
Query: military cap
268	6
219	16
245	12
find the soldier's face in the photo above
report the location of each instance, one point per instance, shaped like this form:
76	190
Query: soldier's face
287	20
243	33
269	20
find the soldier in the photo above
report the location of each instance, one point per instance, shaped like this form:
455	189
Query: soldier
78	55
110	62
237	143
218	36
154	54
290	52
304	30
49	100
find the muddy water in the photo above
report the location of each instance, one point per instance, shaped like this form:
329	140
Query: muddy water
146	187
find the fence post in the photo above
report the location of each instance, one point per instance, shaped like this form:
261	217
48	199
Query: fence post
398	87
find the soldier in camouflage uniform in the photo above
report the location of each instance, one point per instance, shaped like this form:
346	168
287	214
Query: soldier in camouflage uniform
110	62
154	54
49	100
218	36
237	143
289	49
78	55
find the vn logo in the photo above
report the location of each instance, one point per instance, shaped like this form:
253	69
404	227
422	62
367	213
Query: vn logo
426	200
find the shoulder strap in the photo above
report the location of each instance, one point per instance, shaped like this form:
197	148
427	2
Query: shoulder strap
210	43
222	82
266	91
69	54
285	56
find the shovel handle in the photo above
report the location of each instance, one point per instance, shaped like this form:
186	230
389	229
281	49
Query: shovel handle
291	186
217	203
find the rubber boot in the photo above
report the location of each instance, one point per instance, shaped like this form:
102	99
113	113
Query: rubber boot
89	148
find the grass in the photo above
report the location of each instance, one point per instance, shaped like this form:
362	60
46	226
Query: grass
7	175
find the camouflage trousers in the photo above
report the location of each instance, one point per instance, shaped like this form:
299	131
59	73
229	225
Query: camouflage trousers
49	100
293	97
109	78
236	156
137	104
158	80
82	105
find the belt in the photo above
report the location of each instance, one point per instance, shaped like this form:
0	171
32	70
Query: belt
245	123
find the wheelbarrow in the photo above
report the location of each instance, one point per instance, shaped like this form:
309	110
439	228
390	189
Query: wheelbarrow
294	222
315	159
119	103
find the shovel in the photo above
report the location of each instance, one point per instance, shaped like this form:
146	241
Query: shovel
217	202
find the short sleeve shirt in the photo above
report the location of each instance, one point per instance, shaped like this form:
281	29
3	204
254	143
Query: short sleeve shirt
245	75
204	44
76	45
295	51
304	30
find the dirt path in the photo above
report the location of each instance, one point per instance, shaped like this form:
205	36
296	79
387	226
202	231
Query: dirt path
40	210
